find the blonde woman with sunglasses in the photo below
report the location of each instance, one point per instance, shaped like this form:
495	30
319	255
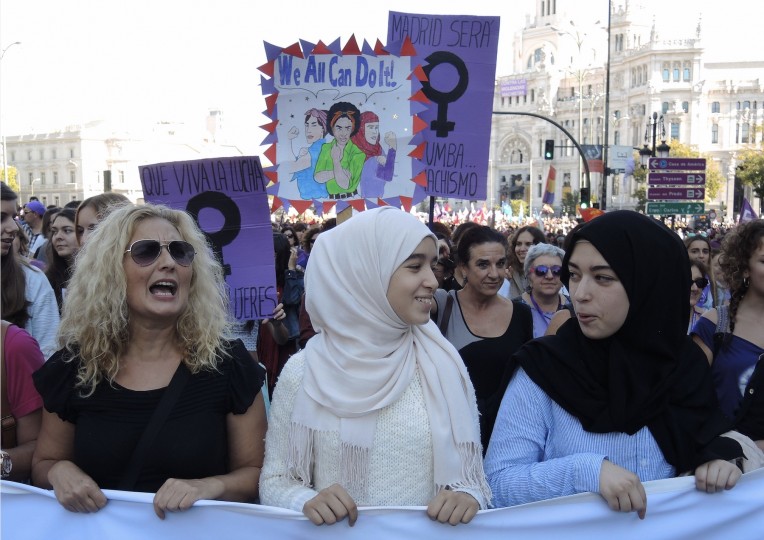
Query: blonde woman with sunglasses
144	331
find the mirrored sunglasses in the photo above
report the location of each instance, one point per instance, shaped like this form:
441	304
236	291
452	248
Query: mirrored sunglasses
542	270
145	252
700	282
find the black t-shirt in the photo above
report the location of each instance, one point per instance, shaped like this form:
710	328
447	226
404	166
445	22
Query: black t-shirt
193	442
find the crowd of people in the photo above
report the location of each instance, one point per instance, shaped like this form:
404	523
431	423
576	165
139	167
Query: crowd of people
455	368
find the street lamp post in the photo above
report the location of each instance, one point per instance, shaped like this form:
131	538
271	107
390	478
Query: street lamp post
2	136
661	150
578	38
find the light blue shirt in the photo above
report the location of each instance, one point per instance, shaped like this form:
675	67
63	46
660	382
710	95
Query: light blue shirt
539	451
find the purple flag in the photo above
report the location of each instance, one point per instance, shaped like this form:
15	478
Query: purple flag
746	212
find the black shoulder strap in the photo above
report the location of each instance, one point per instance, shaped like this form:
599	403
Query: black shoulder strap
156	422
722	327
443	326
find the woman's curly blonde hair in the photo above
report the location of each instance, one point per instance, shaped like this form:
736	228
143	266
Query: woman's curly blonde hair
95	321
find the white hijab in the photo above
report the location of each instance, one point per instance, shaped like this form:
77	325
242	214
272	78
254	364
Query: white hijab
364	357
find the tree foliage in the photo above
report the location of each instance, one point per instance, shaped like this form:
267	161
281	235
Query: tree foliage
12	181
750	171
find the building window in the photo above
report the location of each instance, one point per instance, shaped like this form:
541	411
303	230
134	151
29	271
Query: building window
53	154
122	173
738	105
533	95
745	133
29	155
686	106
686	72
42	178
13	155
55	177
30	177
737	133
71	152
617	138
617	114
664	107
72	177
644	109
666	72
675	131
633	77
42	153
715	108
715	134
746	105
56	200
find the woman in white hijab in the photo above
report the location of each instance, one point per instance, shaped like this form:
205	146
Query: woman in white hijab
378	409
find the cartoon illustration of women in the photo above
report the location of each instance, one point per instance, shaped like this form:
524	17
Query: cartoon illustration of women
379	166
340	162
304	164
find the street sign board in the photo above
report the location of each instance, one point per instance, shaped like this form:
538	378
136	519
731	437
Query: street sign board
673	179
675	194
677	164
670	208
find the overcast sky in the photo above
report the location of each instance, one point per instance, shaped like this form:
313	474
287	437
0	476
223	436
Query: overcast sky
174	59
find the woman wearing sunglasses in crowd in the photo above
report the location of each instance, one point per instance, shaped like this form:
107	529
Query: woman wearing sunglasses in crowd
484	326
699	249
620	395
143	331
699	282
543	266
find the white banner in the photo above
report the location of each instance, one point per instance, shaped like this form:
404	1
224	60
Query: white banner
675	511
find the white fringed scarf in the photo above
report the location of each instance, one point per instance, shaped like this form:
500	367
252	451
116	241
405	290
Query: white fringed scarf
364	357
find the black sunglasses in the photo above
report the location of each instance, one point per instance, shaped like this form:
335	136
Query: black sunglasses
542	270
701	282
289	235
145	252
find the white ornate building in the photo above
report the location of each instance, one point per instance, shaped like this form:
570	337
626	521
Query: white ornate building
559	71
71	164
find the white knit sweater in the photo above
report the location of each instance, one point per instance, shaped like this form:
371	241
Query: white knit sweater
401	462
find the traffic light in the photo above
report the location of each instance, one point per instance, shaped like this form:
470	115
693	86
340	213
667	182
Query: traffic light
585	197
549	149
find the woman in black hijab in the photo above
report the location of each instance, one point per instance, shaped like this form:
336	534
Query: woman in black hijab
620	395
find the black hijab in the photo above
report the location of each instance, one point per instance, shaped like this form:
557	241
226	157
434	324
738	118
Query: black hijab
649	373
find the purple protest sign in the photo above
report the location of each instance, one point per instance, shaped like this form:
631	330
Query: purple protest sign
227	198
458	56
